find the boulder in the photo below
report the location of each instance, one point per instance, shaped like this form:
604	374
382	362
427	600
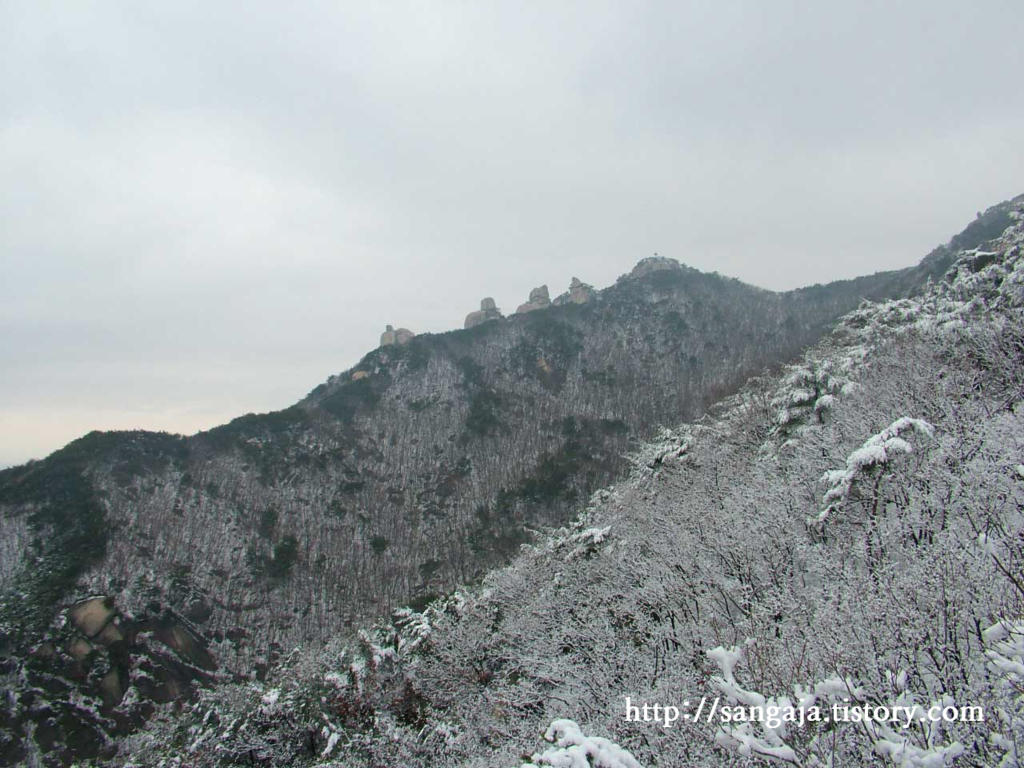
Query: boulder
79	648
539	299
111	634
578	293
488	311
90	616
399	337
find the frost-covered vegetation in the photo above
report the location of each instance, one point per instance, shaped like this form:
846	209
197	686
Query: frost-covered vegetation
851	529
416	471
390	484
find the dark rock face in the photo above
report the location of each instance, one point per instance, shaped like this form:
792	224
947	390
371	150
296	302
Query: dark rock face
72	698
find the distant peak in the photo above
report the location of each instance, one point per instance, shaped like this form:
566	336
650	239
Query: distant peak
654	263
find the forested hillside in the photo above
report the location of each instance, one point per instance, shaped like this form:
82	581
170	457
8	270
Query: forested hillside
850	528
137	564
407	475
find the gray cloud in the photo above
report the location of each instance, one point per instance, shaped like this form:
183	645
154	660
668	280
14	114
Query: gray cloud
208	208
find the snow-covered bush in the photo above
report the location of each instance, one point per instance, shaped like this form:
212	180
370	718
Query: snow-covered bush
813	727
1005	640
574	750
807	394
869	462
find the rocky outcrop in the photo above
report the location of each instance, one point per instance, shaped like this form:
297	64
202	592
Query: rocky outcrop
654	263
578	293
539	299
488	311
98	674
90	616
391	336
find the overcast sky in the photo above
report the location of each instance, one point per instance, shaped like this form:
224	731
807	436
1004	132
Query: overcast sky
207	208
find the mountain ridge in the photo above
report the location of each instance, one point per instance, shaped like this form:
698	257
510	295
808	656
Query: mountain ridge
842	533
395	486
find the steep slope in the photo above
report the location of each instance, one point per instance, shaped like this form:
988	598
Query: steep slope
409	474
846	534
402	478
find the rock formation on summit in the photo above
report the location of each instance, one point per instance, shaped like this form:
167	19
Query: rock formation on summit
578	293
488	311
399	337
539	299
654	263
